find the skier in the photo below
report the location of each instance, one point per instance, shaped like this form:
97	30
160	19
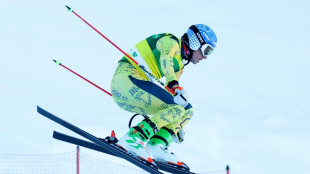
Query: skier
164	55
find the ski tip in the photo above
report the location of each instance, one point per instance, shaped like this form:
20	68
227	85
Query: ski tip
69	8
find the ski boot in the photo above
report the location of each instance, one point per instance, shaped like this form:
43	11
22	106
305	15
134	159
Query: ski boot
134	140
158	147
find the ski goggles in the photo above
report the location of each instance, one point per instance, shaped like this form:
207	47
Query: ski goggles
206	49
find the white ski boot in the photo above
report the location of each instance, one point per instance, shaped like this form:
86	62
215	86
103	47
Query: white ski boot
135	146
134	140
163	155
158	144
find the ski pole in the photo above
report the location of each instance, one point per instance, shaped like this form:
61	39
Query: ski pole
58	63
141	66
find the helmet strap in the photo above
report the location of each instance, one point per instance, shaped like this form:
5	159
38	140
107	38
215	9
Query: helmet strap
185	49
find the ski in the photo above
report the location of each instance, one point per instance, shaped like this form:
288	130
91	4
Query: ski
73	140
150	167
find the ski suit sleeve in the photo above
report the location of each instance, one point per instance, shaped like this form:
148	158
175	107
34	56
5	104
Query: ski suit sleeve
168	48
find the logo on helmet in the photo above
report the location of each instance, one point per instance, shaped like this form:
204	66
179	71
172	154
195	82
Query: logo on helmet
200	38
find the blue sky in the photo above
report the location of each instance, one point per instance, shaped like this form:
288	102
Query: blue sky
251	97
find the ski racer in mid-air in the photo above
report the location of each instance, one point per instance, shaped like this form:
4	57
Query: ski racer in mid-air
164	55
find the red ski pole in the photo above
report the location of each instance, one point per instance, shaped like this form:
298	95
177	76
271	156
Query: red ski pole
58	63
141	66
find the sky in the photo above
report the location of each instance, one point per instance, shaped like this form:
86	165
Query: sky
251	96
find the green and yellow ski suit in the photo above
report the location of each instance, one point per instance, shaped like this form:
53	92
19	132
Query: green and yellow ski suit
133	91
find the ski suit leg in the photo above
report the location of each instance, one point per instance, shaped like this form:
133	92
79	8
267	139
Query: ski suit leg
176	126
136	94
167	133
